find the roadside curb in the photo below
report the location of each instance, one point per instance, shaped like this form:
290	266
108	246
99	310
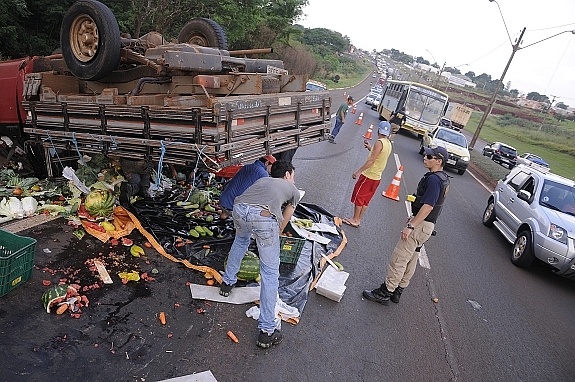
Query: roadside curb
482	174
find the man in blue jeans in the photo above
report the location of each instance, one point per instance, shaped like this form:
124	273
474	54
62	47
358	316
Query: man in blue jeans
258	212
340	118
243	179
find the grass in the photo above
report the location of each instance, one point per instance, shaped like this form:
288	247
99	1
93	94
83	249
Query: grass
352	79
546	146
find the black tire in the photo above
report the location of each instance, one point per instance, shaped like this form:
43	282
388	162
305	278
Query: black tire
90	40
203	32
461	171
421	148
489	214
522	252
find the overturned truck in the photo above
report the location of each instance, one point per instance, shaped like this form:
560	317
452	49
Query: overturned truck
187	103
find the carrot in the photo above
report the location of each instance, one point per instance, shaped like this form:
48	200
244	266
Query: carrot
210	282
233	336
162	318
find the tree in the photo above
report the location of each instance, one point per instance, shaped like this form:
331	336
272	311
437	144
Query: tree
514	92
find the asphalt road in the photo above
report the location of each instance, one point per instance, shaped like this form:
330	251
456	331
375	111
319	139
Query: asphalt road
492	322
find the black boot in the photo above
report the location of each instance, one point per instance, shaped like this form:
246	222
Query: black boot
396	294
380	295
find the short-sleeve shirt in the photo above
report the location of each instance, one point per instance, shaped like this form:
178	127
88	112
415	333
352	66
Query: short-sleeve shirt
344	107
270	193
243	179
432	190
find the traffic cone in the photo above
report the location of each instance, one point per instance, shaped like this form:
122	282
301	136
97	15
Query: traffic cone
369	130
392	191
360	119
353	110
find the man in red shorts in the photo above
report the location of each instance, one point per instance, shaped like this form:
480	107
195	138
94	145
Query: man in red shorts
370	173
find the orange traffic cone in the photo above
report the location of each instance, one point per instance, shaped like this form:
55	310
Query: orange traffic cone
369	130
393	189
353	110
360	119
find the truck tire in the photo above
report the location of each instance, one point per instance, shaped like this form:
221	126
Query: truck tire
203	32
90	40
522	252
270	84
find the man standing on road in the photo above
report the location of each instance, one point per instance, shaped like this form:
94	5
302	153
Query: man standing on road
397	119
370	173
340	118
258	212
243	179
429	198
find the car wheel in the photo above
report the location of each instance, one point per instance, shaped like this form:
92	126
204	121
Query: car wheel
522	252
421	147
489	214
90	40
484	153
461	171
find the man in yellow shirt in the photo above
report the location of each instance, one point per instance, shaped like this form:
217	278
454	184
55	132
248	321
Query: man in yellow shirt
370	173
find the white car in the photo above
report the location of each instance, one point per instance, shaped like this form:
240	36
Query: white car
454	142
371	97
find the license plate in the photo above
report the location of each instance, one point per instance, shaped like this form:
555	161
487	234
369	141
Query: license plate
450	161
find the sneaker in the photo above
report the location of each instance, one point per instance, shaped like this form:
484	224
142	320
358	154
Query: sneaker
266	340
377	295
396	294
226	289
331	141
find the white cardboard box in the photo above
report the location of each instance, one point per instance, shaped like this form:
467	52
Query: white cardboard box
331	284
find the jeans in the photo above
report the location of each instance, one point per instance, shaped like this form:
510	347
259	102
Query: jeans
248	221
336	127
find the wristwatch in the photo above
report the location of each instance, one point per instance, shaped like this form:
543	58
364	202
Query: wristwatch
410	226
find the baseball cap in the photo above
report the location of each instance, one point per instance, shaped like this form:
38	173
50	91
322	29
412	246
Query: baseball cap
384	128
270	158
437	151
350	98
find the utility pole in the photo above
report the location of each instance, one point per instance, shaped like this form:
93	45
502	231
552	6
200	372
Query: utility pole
492	100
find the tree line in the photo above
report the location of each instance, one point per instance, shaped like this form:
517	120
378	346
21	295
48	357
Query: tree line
32	28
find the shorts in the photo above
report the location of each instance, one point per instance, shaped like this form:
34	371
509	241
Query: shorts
364	190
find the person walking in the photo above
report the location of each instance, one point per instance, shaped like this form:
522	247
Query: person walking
243	179
429	199
340	118
369	175
397	119
258	212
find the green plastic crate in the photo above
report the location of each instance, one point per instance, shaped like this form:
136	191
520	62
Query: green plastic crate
16	260
290	246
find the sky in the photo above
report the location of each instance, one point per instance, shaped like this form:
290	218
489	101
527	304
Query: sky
468	34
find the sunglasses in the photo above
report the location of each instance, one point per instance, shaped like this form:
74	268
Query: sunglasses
430	157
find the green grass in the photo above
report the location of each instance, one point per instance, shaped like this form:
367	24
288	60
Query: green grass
346	81
545	144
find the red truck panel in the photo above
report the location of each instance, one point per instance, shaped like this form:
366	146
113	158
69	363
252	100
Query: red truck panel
11	85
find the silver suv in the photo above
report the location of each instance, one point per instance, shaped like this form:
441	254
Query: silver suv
535	211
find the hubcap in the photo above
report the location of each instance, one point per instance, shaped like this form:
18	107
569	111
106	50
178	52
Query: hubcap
84	38
488	212
519	247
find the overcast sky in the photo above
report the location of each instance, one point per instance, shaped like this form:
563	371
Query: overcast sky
461	32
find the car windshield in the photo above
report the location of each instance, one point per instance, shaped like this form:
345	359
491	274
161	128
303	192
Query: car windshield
507	150
452	137
558	196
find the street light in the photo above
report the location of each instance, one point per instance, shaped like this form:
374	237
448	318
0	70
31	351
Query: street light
440	71
494	96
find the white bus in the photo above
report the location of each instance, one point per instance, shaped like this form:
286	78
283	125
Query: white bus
423	105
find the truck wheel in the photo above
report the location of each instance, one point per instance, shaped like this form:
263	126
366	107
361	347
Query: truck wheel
90	40
489	214
522	253
203	32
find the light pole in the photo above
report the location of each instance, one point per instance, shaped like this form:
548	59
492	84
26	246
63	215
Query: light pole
494	96
547	113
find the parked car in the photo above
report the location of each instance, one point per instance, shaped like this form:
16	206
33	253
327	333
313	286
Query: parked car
501	153
534	210
445	122
530	159
376	102
454	142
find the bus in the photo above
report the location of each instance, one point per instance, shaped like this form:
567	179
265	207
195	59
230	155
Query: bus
424	106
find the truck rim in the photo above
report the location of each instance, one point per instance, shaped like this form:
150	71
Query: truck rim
84	38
